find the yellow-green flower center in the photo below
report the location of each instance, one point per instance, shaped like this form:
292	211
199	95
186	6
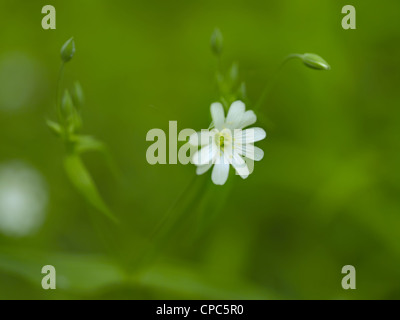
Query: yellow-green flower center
223	138
221	141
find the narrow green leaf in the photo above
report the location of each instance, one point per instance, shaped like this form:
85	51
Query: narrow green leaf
84	144
55	128
189	281
83	182
87	274
87	143
76	273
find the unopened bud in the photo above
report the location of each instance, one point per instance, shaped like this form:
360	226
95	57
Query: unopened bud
314	61
68	50
217	42
77	95
67	106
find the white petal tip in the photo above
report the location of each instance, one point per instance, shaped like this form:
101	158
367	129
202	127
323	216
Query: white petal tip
219	184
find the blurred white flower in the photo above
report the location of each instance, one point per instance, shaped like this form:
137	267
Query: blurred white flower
23	199
227	144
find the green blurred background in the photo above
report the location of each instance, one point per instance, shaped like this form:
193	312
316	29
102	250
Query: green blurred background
325	195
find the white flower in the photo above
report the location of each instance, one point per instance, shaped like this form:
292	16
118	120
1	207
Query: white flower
23	199
227	144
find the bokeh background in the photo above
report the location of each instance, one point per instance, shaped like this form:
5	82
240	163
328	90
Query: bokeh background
325	195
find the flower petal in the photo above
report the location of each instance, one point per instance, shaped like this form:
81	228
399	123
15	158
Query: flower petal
258	154
250	151
220	171
250	164
201	138
249	135
203	168
235	114
205	155
248	119
218	115
240	165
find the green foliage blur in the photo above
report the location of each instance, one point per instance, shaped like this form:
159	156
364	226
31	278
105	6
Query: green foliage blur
325	195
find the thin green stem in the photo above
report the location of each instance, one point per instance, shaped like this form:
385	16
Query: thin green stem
269	86
58	92
157	239
218	75
219	64
167	215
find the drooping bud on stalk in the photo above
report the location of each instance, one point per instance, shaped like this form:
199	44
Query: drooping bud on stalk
314	61
68	50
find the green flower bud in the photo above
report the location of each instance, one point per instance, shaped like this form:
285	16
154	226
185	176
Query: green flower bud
217	42
242	92
69	113
314	61
68	50
77	95
234	73
67	106
75	123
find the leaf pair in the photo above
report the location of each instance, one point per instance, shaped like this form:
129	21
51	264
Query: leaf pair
83	182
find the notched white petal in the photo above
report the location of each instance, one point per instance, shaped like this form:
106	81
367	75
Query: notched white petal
250	135
248	119
250	151
218	115
235	114
258	154
240	166
220	173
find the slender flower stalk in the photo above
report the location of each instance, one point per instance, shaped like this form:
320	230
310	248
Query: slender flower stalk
310	60
59	88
